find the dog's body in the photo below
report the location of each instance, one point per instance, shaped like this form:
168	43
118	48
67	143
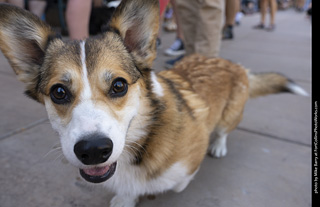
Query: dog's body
121	124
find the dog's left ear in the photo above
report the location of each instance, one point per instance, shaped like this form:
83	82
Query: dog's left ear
23	40
137	21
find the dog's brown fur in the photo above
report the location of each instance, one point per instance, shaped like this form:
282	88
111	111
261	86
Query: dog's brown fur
201	94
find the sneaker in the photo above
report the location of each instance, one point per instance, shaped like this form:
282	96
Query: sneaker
176	49
227	33
271	28
170	63
259	26
238	18
170	26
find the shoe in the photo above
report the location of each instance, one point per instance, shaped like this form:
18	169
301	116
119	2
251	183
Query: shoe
176	49
227	33
271	28
170	63
259	26
238	18
170	26
158	43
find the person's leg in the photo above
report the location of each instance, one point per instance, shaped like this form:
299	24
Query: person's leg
263	10
19	3
263	13
232	7
177	48
163	5
273	11
188	15
37	7
177	20
77	17
299	5
208	28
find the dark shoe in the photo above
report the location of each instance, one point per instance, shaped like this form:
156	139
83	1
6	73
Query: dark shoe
271	28
259	26
158	43
227	33
170	63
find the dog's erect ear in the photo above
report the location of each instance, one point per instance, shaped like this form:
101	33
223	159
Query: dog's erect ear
23	40
137	21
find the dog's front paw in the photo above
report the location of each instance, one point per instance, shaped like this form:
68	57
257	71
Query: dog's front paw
123	201
218	149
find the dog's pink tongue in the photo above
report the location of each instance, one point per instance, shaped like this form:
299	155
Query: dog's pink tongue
97	171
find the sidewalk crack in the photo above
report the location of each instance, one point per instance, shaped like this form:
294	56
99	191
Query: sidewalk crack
274	137
22	129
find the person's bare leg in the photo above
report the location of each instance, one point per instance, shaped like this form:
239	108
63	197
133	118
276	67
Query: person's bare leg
37	7
263	10
77	17
232	7
273	11
263	13
19	3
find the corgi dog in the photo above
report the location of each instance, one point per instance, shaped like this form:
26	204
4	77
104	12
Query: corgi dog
121	124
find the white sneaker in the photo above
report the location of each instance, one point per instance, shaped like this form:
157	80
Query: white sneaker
176	49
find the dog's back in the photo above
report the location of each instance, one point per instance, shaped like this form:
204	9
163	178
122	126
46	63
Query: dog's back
220	84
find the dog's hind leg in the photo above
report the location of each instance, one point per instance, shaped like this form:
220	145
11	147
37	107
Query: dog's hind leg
219	146
231	117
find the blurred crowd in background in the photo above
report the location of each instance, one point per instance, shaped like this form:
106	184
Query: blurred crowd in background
80	18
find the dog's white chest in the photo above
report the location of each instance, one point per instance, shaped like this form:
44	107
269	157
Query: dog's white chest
130	179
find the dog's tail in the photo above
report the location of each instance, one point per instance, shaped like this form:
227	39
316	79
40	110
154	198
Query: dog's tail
271	83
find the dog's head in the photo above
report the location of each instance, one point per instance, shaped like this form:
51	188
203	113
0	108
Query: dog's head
91	88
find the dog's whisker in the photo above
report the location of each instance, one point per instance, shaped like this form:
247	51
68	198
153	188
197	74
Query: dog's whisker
60	156
53	150
139	145
133	150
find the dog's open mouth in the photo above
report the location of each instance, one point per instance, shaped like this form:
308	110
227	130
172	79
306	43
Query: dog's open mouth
98	174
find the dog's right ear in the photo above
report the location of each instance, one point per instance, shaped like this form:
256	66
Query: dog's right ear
23	40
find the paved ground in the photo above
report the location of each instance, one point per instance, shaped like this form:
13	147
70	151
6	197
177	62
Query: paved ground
268	163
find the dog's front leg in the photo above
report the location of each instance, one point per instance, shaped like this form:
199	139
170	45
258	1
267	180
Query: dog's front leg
124	201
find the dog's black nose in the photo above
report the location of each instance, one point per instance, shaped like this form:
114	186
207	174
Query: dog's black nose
93	149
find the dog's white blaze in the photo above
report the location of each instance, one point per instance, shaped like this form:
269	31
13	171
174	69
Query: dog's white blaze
88	118
86	93
156	86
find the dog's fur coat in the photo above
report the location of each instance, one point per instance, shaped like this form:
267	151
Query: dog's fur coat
160	124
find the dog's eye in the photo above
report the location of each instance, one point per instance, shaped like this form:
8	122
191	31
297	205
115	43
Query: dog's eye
59	94
119	87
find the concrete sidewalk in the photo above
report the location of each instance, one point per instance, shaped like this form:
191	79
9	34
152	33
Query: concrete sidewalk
269	154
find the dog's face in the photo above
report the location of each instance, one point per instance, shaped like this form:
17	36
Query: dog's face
92	88
91	93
